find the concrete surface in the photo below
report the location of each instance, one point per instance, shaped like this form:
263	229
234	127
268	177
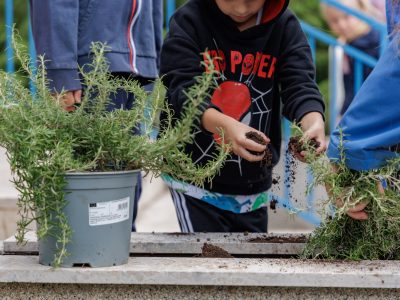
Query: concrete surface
254	244
16	291
211	272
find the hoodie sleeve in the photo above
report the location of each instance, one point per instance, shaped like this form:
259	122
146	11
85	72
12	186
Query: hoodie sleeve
296	71
55	32
180	62
371	125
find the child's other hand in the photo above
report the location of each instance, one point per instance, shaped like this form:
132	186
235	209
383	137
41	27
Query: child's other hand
314	129
235	134
70	99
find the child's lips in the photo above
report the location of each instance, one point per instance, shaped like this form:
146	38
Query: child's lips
240	18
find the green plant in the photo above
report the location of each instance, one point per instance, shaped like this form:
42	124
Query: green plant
43	141
341	237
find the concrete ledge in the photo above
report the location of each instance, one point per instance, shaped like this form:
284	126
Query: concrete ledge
25	291
249	244
211	272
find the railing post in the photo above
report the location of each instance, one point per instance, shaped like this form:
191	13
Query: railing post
313	45
333	93
9	16
32	52
358	75
171	6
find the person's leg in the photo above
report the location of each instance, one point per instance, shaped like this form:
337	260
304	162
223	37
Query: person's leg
254	221
124	100
195	215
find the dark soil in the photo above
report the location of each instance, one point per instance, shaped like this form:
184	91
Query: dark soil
212	251
273	203
279	240
296	145
267	159
179	233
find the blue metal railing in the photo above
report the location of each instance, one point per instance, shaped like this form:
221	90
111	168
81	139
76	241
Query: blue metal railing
360	60
9	16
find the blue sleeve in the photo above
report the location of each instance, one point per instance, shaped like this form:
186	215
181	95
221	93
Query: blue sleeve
158	27
55	32
372	123
392	15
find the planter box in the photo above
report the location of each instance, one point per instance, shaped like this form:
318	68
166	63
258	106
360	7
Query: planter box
164	266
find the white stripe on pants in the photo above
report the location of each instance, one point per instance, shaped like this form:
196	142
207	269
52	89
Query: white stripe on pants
182	211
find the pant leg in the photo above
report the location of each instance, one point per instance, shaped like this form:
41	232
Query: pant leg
124	100
254	221
195	215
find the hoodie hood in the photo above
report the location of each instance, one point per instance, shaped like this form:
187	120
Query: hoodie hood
273	9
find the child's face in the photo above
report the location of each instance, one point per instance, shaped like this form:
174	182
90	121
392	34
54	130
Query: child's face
343	25
240	11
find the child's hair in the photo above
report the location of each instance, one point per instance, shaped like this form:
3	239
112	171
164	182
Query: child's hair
365	6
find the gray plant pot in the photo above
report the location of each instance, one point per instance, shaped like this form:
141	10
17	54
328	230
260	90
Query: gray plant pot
99	211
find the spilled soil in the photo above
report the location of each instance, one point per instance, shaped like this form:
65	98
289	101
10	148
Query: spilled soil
272	204
279	239
267	159
212	251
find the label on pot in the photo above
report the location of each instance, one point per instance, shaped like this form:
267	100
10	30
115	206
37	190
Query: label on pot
102	213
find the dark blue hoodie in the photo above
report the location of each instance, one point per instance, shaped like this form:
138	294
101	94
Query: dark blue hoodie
371	125
64	30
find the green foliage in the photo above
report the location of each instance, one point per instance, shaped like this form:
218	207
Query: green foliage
21	11
44	142
341	237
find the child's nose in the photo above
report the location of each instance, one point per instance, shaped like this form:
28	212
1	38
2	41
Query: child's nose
241	9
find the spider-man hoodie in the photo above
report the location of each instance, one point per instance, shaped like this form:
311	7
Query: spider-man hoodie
266	72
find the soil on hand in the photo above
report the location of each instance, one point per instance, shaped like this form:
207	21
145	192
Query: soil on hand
267	159
296	145
212	251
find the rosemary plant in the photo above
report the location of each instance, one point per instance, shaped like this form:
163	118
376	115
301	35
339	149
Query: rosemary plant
341	237
44	142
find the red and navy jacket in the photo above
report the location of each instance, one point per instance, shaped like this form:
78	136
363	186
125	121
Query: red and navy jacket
64	30
266	72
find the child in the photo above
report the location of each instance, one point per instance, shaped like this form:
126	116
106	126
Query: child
371	126
356	33
265	71
64	31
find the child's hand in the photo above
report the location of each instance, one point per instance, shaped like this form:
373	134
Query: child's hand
356	212
235	134
70	99
314	129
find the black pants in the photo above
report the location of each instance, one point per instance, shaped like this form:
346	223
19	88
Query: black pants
123	100
195	215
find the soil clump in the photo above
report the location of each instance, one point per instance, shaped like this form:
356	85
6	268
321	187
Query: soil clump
212	251
267	159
